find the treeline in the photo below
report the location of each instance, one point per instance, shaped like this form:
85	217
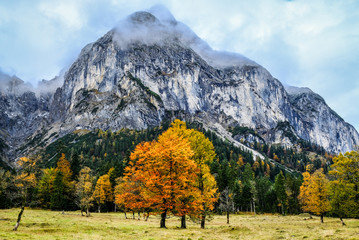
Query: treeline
88	171
105	150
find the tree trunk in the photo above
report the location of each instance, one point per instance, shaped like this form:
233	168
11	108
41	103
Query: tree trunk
148	215
139	216
19	218
125	214
341	219
227	217
87	212
133	215
203	221
183	221
99	210
322	218
163	219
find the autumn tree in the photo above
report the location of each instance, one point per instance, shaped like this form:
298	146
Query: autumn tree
84	190
24	180
165	170
64	166
203	156
304	192
120	194
63	187
129	194
314	193
103	191
344	189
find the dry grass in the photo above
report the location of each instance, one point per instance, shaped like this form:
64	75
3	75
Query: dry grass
41	224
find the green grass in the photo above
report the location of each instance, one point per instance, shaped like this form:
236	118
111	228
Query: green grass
42	224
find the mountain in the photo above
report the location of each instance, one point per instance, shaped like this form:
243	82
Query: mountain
151	68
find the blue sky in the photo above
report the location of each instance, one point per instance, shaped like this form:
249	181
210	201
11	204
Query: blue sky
301	42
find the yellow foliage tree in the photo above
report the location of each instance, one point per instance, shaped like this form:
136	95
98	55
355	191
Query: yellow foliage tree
315	195
64	166
24	180
84	190
103	191
203	156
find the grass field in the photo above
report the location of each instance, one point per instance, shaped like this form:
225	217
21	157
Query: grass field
42	224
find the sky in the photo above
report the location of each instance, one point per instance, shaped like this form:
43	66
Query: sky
305	43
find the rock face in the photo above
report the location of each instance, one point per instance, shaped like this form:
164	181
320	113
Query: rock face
22	114
150	68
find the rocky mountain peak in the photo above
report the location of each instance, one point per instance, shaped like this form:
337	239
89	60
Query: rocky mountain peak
143	18
152	68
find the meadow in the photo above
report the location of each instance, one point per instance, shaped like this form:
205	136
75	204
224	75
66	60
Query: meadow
43	224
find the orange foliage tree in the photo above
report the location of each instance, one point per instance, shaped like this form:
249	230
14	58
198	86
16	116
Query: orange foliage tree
203	156
165	173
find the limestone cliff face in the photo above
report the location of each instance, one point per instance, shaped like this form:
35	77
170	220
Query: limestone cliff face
133	81
150	68
22	115
318	123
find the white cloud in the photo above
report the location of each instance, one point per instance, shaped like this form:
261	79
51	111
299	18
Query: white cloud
64	12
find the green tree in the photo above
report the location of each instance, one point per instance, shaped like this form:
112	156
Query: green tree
344	189
249	184
279	186
263	187
75	165
46	186
58	196
293	189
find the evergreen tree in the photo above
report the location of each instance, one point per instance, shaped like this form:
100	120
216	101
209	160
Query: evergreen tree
46	187
58	199
263	187
75	165
279	186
